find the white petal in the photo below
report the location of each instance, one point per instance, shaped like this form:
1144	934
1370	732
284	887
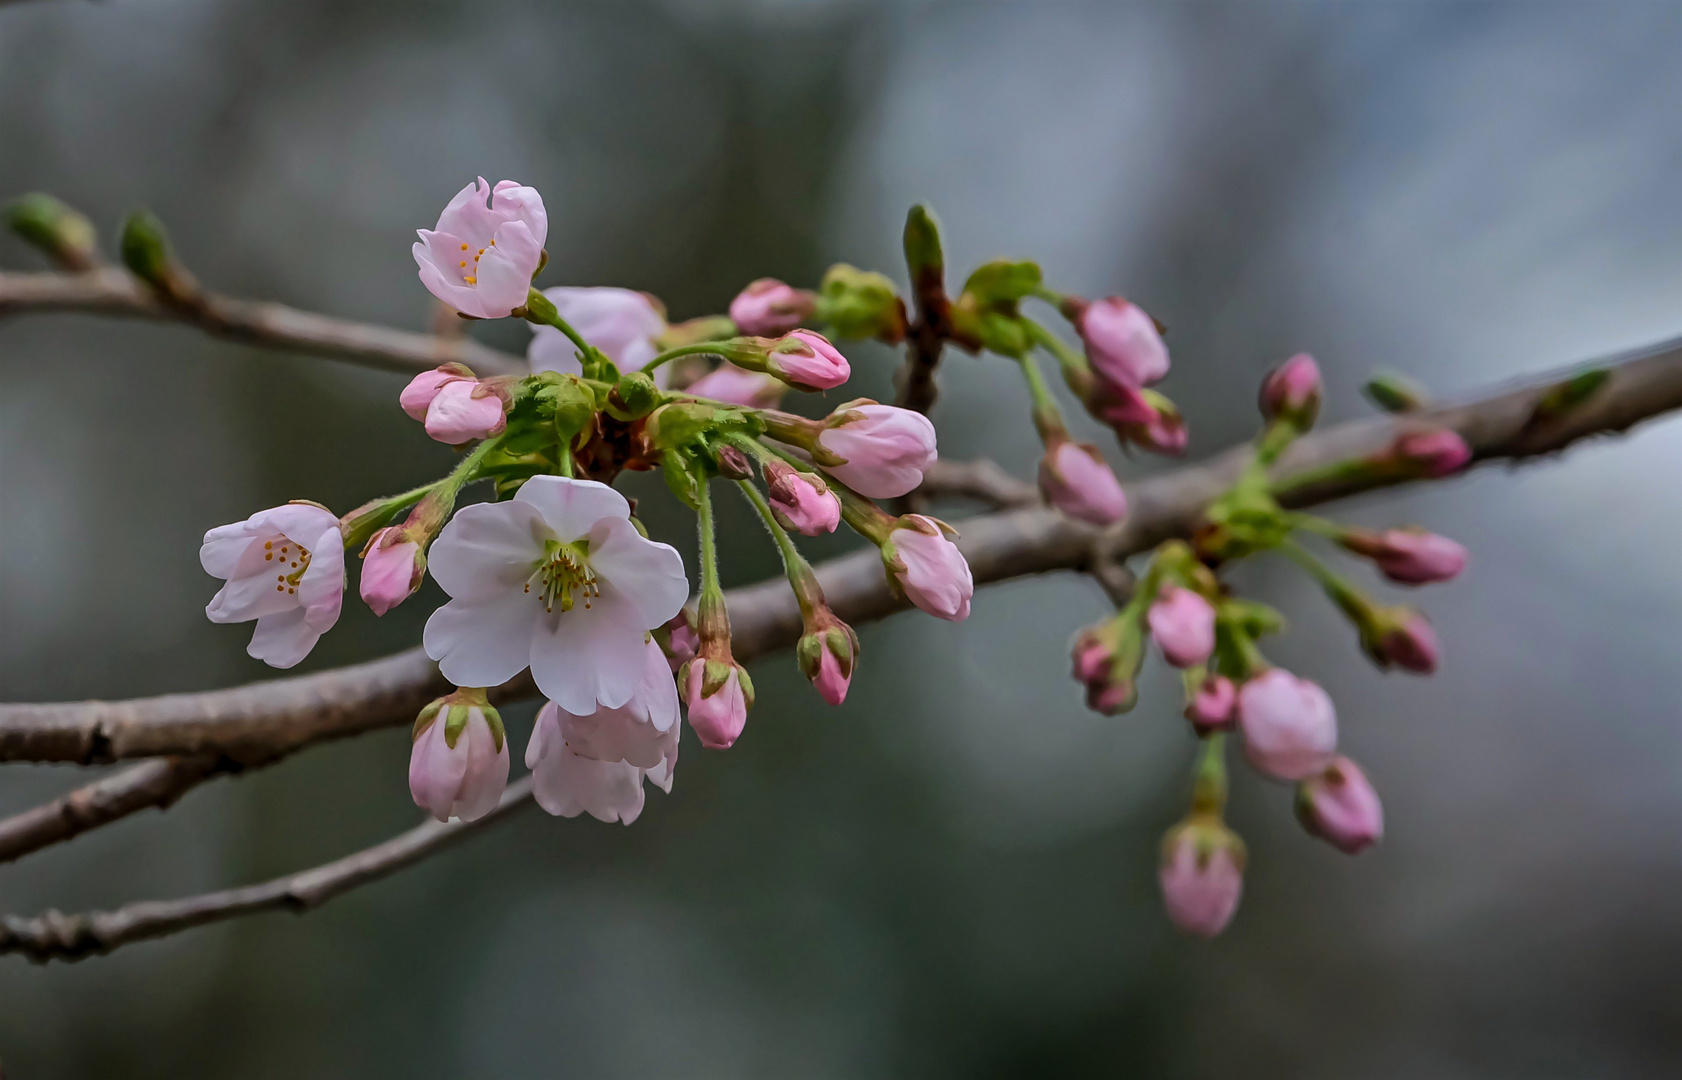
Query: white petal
545	734
220	555
657	699
254	597
648	575
282	640
488	549
469	216
300	523
322	588
487	769
588	655
435	770
505	270
482	643
662	774
567	785
572	507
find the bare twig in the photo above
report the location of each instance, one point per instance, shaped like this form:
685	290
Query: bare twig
254	723
114	291
56	936
158	782
982	480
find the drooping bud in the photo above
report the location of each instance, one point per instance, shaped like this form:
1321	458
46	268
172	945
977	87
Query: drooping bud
1435	454
1106	658
769	308
1409	556
1400	637
393	567
927	568
801	501
719	695
1202	875
1122	342
732	463
883	450
1075	478
1289	724
807	361
1214	705
1183	624
58	230
455	406
827	653
1143	417
1291	392
1339	805
458	765
678	640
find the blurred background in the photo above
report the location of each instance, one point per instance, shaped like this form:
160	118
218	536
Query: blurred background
953	875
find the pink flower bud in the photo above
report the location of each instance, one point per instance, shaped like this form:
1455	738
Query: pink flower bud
1340	806
1202	877
392	569
1407	642
416	398
1436	453
1122	342
1106	658
831	683
801	501
1410	556
768	308
719	717
885	449
463	411
1289	725
807	361
458	765
1291	391
827	653
734	386
1075	479
1144	418
929	568
1214	707
681	641
1183	623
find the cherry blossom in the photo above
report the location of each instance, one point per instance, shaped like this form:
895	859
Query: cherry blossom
285	568
488	244
556	578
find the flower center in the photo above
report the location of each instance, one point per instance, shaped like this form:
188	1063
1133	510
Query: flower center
563	571
287	556
470	271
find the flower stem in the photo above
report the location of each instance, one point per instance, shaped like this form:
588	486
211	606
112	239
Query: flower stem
1341	591
1208	793
541	310
800	576
709	540
363	522
1067	358
702	347
1048	419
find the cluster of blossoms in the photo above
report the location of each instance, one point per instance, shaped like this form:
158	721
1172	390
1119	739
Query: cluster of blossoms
1287	723
556	575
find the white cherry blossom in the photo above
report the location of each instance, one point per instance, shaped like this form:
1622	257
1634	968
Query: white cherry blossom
285	568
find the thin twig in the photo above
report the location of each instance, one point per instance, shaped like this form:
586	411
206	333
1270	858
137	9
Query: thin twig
114	291
56	936
982	480
158	782
254	723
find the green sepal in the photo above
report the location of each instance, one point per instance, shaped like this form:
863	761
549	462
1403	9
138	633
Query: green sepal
1003	283
983	328
425	719
678	423
455	722
856	303
746	683
678	467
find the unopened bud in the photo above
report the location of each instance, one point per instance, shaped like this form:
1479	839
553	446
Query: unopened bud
768	307
1202	875
1400	637
861	304
62	233
732	463
1214	705
458	765
1339	805
1289	724
827	653
393	567
1183	624
719	695
1409	556
1291	392
1396	393
1434	454
634	396
145	251
1106	658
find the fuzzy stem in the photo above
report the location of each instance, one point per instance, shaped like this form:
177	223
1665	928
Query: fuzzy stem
1208	793
800	576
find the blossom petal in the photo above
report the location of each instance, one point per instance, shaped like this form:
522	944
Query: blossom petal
567	784
469	215
648	575
283	639
572	507
588	655
322	588
483	642
486	774
488	549
435	770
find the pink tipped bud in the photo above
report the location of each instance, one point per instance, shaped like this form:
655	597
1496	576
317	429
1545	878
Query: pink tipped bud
1122	342
1289	725
1215	705
719	694
416	398
1183	623
733	464
1202	876
1106	658
458	765
827	654
1291	391
807	361
1435	453
929	568
1075	479
392	569
768	308
884	449
735	386
680	641
1340	806
801	501
1144	418
1406	640
455	406
1410	556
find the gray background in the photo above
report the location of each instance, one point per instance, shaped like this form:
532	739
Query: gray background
953	874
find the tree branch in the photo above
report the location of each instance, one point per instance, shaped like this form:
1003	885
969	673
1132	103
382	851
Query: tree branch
157	782
258	722
1505	425
56	936
982	480
114	291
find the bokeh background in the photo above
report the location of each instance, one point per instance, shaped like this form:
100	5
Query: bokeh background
953	874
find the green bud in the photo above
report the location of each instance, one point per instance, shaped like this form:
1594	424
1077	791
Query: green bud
63	234
145	249
922	249
1002	283
678	423
1396	393
678	467
1564	396
860	304
991	330
634	396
